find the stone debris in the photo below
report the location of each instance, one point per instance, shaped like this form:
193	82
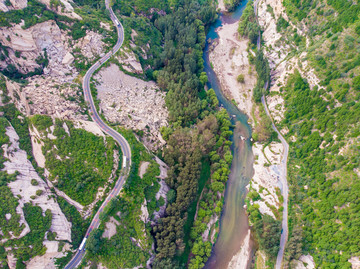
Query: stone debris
53	97
164	188
32	44
133	103
266	176
91	45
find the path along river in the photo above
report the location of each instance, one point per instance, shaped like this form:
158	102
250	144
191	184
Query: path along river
234	222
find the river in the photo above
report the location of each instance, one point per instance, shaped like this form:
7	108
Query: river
234	222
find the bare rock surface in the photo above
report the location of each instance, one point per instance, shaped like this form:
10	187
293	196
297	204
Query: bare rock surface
277	52
132	102
143	167
47	261
32	43
17	161
129	61
14	4
305	262
164	188
355	262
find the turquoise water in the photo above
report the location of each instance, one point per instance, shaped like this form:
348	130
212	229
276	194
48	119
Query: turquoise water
234	222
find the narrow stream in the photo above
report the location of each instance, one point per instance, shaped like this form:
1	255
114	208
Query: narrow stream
234	222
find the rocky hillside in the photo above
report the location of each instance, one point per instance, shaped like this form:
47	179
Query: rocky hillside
312	50
56	166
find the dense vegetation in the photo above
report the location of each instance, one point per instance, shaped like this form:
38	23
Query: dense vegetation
80	161
325	186
323	122
39	224
131	244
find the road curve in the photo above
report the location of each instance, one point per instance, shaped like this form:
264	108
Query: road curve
283	169
75	261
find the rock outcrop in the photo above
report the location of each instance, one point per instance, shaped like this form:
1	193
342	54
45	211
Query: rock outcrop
32	43
17	161
27	192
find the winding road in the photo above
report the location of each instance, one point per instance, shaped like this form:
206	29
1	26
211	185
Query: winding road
282	169
125	148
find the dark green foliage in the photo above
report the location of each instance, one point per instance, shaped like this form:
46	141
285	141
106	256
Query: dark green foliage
248	25
78	224
267	231
41	122
120	250
81	162
263	71
281	24
34	13
171	195
39	224
149	39
126	7
182	59
4	139
230	5
356	83
8	204
93	242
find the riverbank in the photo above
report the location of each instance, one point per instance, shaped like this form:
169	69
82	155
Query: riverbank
229	59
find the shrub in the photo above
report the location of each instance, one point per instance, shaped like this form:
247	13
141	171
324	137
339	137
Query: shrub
241	78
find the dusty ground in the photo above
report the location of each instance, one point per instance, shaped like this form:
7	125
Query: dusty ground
240	260
110	228
230	59
143	167
134	103
355	262
266	176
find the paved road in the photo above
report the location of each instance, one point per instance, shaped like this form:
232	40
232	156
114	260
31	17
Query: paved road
282	168
118	137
